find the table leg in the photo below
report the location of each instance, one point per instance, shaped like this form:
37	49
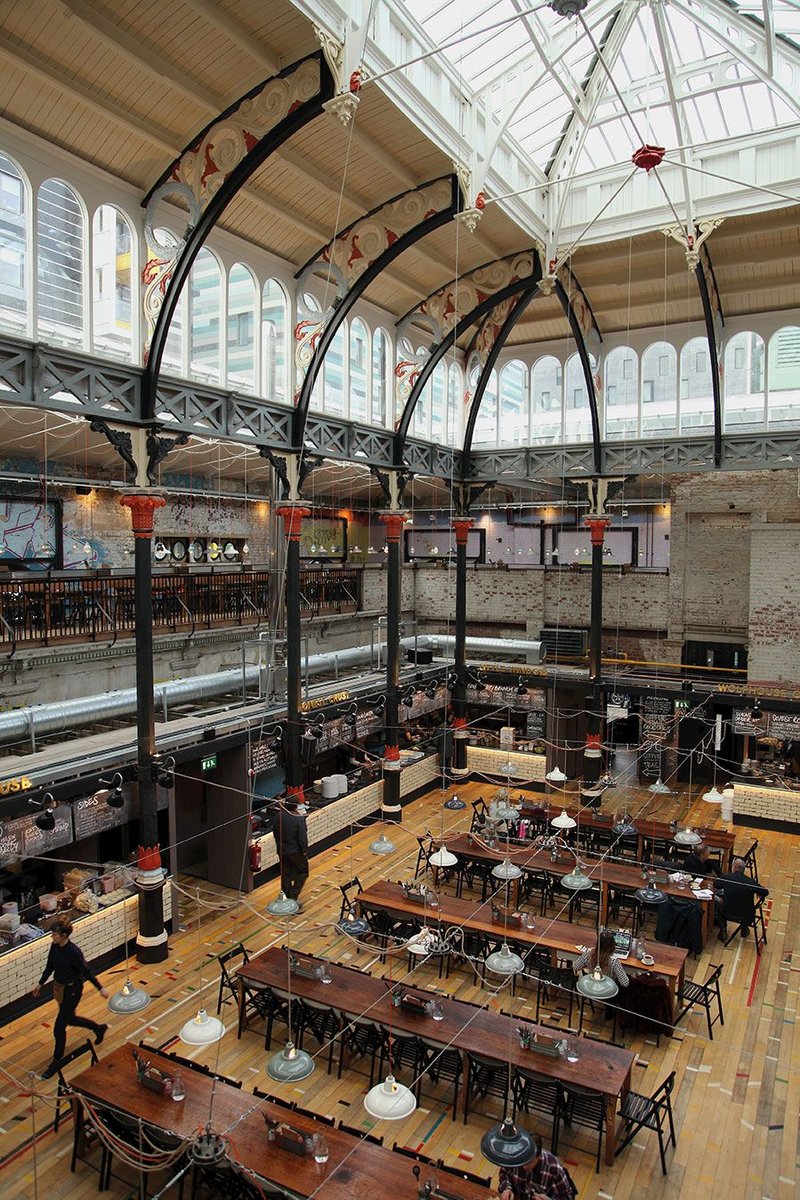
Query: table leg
604	904
241	999
611	1129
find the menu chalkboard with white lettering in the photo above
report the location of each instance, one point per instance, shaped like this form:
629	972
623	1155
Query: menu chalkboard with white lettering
91	814
656	733
536	724
36	841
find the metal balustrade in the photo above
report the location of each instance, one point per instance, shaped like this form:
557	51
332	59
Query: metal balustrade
42	611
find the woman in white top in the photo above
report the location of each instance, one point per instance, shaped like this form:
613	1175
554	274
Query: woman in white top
604	955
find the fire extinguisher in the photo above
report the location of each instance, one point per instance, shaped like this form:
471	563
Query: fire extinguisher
255	856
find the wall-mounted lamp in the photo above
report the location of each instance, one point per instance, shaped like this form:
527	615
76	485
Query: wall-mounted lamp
45	819
115	797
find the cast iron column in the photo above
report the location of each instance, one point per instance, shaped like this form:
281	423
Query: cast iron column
461	527
292	522
391	807
151	940
593	754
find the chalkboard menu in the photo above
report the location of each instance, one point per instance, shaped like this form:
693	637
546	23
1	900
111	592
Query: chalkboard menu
501	696
785	725
21	837
92	815
262	758
656	732
535	724
777	725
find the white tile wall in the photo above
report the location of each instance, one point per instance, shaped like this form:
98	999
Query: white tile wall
774	804
96	934
493	762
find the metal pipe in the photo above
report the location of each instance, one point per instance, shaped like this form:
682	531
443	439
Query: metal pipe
62	715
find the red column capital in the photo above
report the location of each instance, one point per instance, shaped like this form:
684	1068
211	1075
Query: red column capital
459	722
391	754
142	506
394	523
461	527
597	527
292	520
297	792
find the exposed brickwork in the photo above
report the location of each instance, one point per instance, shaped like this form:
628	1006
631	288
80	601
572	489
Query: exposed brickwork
774	628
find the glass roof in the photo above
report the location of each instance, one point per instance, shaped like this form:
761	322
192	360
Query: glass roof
673	74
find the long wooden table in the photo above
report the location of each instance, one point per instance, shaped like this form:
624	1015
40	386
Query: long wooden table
464	1027
355	1170
605	874
647	828
557	936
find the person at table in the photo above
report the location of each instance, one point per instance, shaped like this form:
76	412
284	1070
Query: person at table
604	956
543	1178
699	862
739	895
69	968
291	842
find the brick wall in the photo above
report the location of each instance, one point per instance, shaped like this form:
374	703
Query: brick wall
774	603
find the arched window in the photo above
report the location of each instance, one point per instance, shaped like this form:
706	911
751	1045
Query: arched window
486	420
659	389
380	376
241	329
783	373
513	425
546	401
172	359
743	379
697	400
421	423
621	393
359	343
439	404
455	405
13	247
112	271
577	414
274	321
333	373
205	317
60	227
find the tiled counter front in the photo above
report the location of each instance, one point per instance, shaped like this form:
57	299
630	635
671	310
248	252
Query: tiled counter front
97	934
766	804
355	806
524	767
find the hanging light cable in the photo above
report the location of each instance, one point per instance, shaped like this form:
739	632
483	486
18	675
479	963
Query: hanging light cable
201	1030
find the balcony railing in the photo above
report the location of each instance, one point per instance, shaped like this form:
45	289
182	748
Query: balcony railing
94	608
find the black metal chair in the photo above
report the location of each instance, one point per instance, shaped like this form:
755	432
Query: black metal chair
360	1038
483	1181
262	1095
650	1112
85	1140
580	1106
415	1155
362	1134
704	994
536	884
625	907
479	814
534	1093
442	1062
559	979
306	1112
750	861
321	1021
277	1009
485	1077
405	1053
63	1091
425	844
655	848
227	981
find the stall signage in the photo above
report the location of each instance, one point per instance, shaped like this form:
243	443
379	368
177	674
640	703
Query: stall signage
208	763
618	706
262	758
18	783
322	701
92	815
657	729
536	724
785	726
499	695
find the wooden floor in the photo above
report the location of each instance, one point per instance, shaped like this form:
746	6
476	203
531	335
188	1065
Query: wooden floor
737	1096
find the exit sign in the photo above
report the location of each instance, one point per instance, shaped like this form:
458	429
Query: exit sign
208	764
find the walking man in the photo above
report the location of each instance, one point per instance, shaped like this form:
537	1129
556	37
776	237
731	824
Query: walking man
291	841
69	969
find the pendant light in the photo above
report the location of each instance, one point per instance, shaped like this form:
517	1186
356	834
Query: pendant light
713	796
649	893
390	1100
577	880
201	1030
382	845
659	788
506	870
563	821
443	857
624	827
507	1146
504	961
687	837
597	986
556	775
283	905
289	1065
130	998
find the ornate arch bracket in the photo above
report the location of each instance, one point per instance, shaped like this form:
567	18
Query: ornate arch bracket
393	484
465	493
207	175
351	261
292	469
447	314
588	343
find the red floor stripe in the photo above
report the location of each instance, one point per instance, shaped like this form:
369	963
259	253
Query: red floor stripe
753	981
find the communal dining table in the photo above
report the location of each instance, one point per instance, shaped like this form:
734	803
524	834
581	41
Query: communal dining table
465	1027
559	937
356	1169
605	874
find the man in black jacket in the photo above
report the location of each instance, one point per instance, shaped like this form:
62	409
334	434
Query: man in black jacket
291	841
739	896
69	969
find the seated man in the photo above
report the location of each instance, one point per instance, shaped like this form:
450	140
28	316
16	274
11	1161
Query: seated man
739	894
699	862
543	1178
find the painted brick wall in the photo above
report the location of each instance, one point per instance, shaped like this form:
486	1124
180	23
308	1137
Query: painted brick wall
774	598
